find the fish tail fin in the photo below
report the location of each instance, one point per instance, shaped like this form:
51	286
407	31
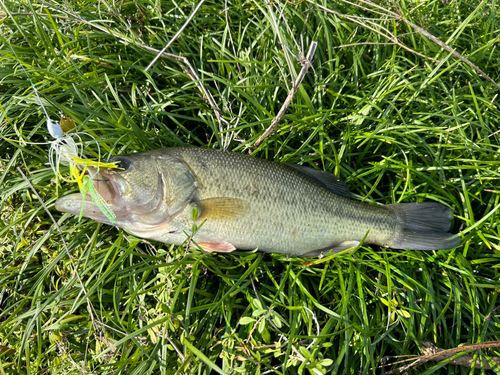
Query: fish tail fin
425	226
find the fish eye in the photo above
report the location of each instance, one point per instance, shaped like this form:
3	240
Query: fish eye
123	164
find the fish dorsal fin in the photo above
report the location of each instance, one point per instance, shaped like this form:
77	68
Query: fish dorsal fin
221	208
325	180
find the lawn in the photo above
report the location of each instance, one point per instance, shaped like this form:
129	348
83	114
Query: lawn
400	100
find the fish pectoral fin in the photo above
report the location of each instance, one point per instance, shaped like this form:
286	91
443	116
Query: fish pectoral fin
216	246
335	249
221	209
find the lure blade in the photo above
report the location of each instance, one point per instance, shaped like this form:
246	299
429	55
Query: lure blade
54	129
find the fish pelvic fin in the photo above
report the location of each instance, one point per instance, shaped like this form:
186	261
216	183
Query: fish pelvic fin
216	246
425	226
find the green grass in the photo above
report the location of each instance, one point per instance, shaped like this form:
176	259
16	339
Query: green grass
398	127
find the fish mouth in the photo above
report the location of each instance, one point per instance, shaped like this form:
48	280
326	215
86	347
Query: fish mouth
107	188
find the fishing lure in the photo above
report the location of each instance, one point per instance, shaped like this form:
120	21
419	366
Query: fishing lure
67	149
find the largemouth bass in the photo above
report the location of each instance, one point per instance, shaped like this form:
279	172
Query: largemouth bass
248	203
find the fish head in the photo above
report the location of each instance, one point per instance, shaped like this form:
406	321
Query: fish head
135	186
134	193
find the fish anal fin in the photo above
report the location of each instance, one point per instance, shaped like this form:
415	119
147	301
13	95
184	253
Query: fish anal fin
221	209
216	246
325	180
337	248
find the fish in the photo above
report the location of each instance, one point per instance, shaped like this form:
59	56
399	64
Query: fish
236	201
